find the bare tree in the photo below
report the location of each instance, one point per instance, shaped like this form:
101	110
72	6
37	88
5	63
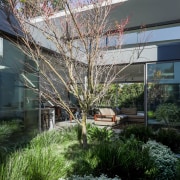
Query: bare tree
70	50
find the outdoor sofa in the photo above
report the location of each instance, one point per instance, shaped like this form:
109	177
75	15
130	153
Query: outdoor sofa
108	117
131	116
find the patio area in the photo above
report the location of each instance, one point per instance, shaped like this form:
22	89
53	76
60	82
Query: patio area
90	120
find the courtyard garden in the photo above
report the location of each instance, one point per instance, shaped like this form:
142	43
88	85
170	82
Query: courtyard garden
138	152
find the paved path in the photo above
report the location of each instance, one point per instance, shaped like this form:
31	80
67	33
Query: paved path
68	123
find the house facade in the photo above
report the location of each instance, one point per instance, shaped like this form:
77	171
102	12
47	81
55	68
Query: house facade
154	26
152	37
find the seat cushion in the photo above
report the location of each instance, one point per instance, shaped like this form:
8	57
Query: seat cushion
103	119
104	123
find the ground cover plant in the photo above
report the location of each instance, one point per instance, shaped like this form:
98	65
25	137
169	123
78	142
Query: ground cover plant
141	132
42	159
58	154
167	136
126	159
163	159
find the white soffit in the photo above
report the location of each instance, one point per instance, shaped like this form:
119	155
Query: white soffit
146	13
140	12
81	9
130	55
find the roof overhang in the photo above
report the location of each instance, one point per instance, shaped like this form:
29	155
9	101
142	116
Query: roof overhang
80	9
141	13
146	13
8	23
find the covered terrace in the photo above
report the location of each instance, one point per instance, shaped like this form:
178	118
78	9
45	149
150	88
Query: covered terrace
151	43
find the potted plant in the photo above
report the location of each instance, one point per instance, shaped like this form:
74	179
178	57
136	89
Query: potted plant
168	113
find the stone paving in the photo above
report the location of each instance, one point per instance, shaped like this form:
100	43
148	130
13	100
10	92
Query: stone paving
69	123
62	124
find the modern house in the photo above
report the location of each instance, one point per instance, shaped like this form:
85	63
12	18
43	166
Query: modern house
152	36
160	57
153	25
153	30
19	99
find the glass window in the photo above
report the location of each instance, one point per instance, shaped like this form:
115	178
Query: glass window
18	100
160	71
163	93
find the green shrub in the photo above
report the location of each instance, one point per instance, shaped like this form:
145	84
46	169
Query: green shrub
167	113
129	95
64	135
69	133
141	132
106	155
37	163
126	159
170	138
134	160
151	114
78	129
57	154
44	158
47	138
164	161
97	134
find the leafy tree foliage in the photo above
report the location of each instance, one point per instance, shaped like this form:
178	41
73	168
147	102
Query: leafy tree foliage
126	95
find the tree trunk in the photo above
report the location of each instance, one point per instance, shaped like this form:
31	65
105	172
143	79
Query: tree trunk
84	131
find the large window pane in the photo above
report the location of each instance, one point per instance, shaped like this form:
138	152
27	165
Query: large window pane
163	91
160	71
18	98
